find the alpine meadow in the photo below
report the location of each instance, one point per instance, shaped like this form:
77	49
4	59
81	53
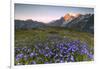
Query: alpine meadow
47	34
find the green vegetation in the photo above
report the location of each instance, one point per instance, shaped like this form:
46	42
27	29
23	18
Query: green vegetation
52	45
28	37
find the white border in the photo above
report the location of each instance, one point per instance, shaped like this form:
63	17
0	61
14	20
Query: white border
12	35
84	3
43	66
58	3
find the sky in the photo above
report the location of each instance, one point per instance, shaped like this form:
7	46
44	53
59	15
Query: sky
46	13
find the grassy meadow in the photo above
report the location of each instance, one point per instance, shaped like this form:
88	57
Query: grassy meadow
30	43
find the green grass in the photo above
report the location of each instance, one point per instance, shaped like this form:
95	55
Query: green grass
28	37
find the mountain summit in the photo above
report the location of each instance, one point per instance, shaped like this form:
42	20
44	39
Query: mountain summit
70	16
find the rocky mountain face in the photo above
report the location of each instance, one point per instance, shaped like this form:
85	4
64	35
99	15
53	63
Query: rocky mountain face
77	22
64	20
82	23
68	17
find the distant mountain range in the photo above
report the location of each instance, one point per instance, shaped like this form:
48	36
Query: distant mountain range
74	21
28	24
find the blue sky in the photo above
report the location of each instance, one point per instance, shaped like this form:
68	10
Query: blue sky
46	13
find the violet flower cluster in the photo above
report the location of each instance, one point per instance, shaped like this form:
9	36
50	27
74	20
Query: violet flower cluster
53	51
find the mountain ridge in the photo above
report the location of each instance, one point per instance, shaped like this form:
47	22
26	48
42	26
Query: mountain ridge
77	22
